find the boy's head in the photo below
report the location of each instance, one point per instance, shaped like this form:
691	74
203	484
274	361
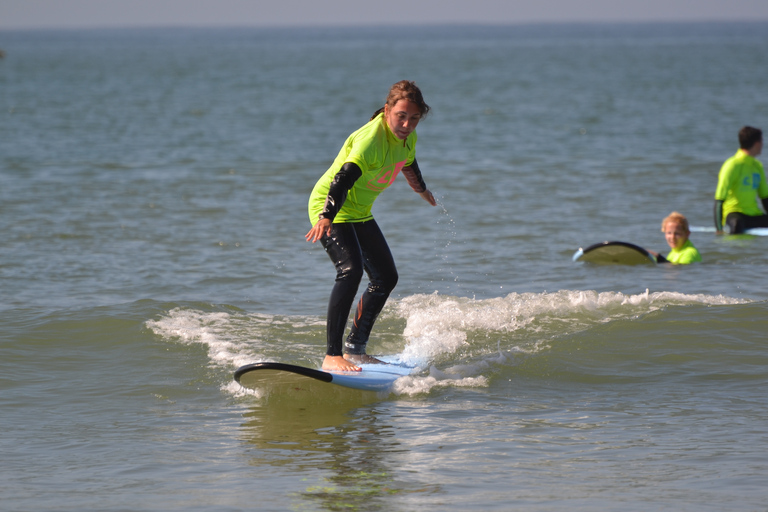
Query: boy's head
676	230
749	136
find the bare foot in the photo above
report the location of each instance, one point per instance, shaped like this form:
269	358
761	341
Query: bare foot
339	364
362	359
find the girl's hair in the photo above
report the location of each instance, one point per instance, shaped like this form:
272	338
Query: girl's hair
676	217
405	90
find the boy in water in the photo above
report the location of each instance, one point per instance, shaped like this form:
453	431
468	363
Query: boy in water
676	231
740	182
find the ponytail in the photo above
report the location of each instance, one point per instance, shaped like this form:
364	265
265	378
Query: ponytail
376	113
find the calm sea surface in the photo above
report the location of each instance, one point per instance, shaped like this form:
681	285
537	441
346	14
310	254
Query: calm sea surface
153	189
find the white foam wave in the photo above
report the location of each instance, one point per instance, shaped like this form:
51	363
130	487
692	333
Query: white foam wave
469	337
219	331
442	327
232	339
439	324
415	385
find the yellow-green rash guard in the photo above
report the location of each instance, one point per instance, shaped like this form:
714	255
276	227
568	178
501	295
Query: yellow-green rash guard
740	182
685	255
379	155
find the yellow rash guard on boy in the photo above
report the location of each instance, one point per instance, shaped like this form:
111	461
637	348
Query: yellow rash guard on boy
685	255
740	182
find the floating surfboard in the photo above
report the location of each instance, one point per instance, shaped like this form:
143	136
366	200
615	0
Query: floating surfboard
372	377
615	253
708	229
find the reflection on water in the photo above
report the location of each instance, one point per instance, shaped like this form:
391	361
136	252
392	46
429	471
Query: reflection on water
336	435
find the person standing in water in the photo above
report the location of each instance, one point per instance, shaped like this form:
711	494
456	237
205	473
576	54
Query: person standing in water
340	213
740	182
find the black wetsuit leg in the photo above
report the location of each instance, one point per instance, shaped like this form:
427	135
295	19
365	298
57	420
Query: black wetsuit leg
344	250
738	222
355	248
735	223
757	221
382	273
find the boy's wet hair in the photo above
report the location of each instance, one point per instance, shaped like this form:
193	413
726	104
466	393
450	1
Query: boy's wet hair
676	217
749	136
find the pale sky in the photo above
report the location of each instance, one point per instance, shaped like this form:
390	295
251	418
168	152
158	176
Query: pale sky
19	14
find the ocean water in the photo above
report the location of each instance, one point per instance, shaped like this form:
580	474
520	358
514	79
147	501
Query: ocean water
153	188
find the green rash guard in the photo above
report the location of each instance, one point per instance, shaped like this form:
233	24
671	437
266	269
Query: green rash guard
379	155
685	255
740	182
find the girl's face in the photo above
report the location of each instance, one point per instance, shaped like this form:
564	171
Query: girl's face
402	118
675	234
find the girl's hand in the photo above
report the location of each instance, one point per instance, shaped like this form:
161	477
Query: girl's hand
428	197
322	227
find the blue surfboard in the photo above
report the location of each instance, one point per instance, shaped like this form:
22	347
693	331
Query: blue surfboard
615	253
372	377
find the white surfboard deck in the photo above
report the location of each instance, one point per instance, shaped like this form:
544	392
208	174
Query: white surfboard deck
614	253
711	229
372	377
